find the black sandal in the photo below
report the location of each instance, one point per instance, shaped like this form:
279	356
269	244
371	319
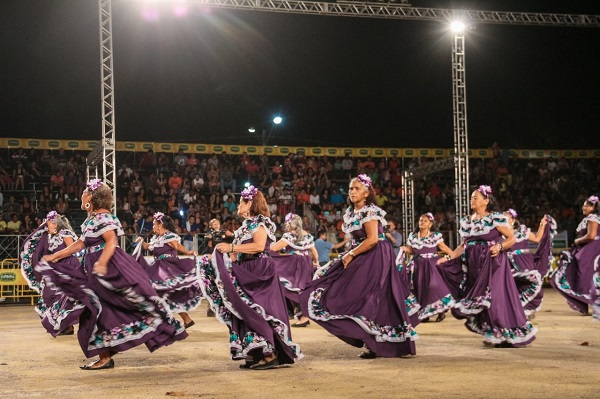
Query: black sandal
440	317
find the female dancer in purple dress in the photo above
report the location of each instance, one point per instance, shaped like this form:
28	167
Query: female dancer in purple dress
363	298
122	308
174	279
246	295
479	275
424	277
57	310
574	278
297	266
529	268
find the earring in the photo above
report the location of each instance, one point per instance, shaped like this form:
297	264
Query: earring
87	205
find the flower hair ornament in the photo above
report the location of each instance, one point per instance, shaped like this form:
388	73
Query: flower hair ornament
485	190
593	200
158	216
249	193
429	216
52	216
94	184
364	179
289	217
513	214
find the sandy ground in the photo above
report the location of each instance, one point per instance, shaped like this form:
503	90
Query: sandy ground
564	362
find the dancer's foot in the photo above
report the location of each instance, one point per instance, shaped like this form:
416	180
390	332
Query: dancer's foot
67	331
188	325
303	322
440	317
368	354
267	363
100	364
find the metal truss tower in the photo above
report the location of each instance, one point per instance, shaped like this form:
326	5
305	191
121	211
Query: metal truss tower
409	220
106	148
461	142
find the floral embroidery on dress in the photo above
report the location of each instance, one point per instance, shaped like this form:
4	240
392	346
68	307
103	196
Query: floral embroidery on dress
99	224
214	291
522	233
592	217
306	242
478	227
158	241
250	226
56	240
498	335
354	220
430	241
26	261
596	281
382	333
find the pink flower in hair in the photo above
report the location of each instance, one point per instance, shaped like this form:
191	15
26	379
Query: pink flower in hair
94	184
485	190
593	200
52	215
249	193
430	216
513	214
364	179
158	216
289	217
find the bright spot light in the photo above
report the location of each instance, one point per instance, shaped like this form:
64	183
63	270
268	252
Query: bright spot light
180	11
277	120
252	130
180	213
247	184
457	26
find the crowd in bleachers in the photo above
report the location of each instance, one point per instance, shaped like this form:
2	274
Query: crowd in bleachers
194	188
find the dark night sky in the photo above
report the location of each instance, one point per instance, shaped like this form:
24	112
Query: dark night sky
336	81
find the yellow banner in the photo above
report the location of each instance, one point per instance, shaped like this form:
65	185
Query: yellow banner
188	148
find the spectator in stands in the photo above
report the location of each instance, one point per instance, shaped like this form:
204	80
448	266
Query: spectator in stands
3	224
163	163
19	175
198	182
57	181
230	204
128	171
12	206
393	236
27	207
28	225
227	180
148	161
324	247
62	207
336	197
175	182
71	183
144	225
191	228
14	224
180	160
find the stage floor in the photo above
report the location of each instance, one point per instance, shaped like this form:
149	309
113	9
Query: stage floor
564	362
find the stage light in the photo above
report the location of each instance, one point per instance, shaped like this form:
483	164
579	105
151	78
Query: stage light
457	26
277	120
252	130
247	184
